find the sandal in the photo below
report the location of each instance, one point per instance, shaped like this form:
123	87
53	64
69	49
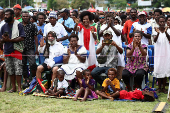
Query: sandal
11	91
164	91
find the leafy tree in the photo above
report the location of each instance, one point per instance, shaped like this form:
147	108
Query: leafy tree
82	4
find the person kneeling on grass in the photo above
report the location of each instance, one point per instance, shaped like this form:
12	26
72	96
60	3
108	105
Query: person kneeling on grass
60	85
134	95
110	85
86	87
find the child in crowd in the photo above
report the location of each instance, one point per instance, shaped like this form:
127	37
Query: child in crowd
134	95
162	53
60	85
110	85
86	87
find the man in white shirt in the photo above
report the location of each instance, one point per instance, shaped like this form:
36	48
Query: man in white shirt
55	26
2	16
143	26
52	49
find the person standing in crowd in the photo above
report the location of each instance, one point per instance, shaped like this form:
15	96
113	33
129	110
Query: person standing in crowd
143	26
161	53
29	46
66	21
2	64
128	24
17	10
154	22
55	26
12	32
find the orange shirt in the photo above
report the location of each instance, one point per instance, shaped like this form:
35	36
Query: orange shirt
126	29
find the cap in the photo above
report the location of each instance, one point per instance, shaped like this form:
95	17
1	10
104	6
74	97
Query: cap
64	10
142	13
53	14
17	6
107	32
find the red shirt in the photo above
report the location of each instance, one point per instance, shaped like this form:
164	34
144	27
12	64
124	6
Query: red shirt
126	29
86	35
136	94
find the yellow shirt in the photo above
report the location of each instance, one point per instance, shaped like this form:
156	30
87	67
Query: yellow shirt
115	83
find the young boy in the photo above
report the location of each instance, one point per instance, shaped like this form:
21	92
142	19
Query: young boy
60	85
110	85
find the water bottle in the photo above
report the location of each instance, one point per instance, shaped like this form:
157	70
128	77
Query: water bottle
0	83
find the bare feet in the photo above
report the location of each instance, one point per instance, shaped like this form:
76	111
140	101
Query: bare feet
2	89
82	100
111	98
75	99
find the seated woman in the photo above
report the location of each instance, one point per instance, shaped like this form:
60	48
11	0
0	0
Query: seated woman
136	64
74	59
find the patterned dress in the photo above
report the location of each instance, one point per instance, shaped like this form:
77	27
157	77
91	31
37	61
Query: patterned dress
137	61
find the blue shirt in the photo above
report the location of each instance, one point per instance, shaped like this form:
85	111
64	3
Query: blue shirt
42	29
68	23
8	47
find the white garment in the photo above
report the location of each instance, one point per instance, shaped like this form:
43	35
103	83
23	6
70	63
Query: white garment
58	29
15	31
161	56
92	56
63	84
74	64
118	41
2	23
54	51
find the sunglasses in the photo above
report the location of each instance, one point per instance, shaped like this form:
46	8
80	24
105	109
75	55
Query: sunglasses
101	17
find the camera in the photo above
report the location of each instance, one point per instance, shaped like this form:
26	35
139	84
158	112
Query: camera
107	41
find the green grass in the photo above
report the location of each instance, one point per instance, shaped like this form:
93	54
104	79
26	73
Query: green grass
12	102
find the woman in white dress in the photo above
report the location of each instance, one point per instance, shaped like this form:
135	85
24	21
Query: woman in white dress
161	54
74	59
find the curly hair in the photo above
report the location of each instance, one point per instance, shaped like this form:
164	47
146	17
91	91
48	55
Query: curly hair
73	36
86	13
109	15
41	13
112	69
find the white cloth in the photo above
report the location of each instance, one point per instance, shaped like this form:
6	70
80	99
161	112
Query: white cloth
15	31
92	56
161	56
62	84
117	39
58	29
54	51
74	64
2	23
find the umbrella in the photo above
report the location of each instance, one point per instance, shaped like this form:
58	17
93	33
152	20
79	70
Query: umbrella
28	7
166	9
92	10
1	7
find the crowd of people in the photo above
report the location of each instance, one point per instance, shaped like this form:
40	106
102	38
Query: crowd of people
79	46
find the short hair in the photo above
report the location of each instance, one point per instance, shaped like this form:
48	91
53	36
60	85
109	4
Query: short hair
101	13
109	15
25	12
161	16
34	18
52	33
133	9
112	69
123	17
73	36
75	15
167	17
158	10
86	13
41	13
61	72
96	17
3	12
10	10
86	70
137	31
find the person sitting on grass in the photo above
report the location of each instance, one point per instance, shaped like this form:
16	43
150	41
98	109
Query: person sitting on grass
110	85
134	95
60	85
86	87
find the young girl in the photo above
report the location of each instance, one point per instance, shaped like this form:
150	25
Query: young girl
86	87
162	54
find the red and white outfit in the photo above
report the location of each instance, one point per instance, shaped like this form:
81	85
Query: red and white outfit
86	39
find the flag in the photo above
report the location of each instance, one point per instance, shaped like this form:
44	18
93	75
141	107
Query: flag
128	4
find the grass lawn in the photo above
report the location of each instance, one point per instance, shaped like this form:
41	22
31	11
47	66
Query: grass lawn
28	104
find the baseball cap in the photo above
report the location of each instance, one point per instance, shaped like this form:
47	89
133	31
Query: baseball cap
53	14
64	10
17	6
142	13
107	32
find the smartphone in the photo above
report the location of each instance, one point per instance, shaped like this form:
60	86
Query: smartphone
6	33
108	41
